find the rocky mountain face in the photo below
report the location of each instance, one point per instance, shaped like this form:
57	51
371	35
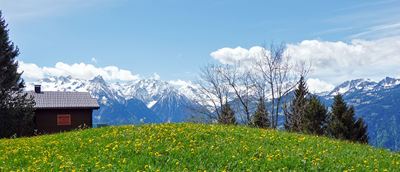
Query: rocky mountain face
153	101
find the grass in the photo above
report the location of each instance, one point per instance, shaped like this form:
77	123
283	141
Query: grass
189	147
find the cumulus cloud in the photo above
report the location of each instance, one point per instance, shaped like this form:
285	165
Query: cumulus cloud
318	86
78	70
30	70
334	62
181	83
233	55
338	61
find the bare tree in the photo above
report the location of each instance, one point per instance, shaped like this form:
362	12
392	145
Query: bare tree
213	91
241	85
272	76
279	74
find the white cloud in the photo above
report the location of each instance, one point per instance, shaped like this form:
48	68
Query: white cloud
77	70
338	61
233	55
335	62
318	86
30	70
181	83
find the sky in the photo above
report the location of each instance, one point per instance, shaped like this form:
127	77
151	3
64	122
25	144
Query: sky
130	39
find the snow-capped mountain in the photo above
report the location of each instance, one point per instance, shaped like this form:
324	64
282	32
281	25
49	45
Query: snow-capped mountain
353	85
364	85
173	105
142	101
378	103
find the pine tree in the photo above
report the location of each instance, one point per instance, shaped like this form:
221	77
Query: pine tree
261	118
343	125
339	125
315	117
227	115
337	128
293	115
360	131
16	109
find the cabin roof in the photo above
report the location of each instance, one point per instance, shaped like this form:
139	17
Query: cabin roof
60	100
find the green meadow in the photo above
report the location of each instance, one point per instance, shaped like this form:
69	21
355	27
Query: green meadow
189	147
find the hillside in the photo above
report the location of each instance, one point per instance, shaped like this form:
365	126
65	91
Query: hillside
176	147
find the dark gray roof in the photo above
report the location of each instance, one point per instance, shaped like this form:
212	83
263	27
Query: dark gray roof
57	100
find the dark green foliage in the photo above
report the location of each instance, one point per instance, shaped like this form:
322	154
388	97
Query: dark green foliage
227	115
16	109
305	114
294	114
360	131
261	118
315	117
341	117
343	124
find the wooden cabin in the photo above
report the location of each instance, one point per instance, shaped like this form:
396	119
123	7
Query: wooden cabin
57	111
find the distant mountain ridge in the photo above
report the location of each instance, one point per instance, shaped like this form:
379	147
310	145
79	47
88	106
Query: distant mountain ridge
142	101
378	103
364	85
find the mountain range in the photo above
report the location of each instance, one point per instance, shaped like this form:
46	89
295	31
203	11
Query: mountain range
142	101
378	103
152	100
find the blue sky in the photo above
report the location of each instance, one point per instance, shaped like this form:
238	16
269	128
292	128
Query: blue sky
174	38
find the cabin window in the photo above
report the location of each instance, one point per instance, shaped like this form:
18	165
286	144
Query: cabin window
63	119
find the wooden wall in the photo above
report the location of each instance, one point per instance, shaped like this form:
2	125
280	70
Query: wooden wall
46	119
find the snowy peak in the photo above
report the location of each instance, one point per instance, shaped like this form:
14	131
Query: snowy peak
364	85
173	96
146	90
59	84
149	91
98	79
175	107
97	87
64	79
388	83
186	88
152	89
353	85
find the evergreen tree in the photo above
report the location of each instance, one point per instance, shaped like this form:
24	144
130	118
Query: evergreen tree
360	131
343	125
227	115
16	109
315	117
294	114
340	119
261	118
